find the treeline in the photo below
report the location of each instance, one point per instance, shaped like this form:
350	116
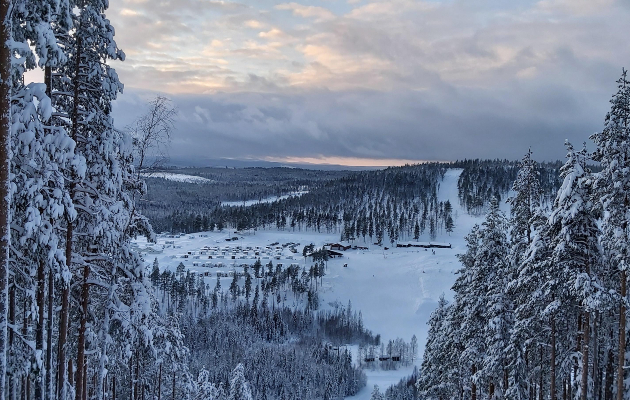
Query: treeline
481	180
540	304
164	196
389	205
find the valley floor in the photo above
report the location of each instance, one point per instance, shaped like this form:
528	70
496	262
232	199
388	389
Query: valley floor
396	290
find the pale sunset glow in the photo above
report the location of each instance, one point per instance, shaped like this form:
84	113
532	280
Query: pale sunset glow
374	80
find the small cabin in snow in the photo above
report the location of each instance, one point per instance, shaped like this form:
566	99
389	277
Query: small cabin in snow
338	246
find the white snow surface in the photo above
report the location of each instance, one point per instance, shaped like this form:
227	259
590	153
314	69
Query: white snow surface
178	177
396	290
269	199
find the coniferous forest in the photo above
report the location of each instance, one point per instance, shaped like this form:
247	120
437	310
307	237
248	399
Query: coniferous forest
540	303
539	307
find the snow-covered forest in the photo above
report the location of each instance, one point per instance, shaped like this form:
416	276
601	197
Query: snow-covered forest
540	304
538	309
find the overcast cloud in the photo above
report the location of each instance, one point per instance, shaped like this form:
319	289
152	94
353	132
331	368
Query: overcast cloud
336	80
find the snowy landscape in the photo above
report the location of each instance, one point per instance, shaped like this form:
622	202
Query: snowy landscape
314	200
396	289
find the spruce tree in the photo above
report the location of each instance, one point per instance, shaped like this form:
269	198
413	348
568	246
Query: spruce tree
612	186
523	204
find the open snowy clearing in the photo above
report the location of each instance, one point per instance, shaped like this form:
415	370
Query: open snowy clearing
178	177
269	199
396	289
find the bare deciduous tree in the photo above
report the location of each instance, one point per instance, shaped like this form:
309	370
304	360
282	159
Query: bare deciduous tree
152	134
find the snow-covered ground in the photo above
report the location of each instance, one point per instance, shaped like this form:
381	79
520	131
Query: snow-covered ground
396	290
178	177
269	199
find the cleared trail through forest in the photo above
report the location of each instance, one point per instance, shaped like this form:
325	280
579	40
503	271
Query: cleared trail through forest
398	291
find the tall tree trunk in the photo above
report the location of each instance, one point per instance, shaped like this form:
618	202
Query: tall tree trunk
473	387
102	367
596	379
39	329
85	293
70	373
131	387
63	330
578	348
63	320
542	375
137	380
622	337
26	386
11	377
552	361
51	287
49	337
5	200
85	386
608	393
174	374
159	388
585	354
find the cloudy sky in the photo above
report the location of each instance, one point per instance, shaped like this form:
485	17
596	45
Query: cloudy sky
372	81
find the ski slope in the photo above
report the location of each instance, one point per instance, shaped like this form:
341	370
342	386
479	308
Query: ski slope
396	290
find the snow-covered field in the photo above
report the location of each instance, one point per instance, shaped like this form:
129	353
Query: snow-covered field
178	177
396	290
265	200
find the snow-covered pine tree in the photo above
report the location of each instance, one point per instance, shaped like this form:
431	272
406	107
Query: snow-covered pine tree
42	153
481	305
466	331
493	260
576	263
523	205
612	186
471	303
527	197
111	273
439	362
532	290
376	394
40	158
204	389
239	387
5	182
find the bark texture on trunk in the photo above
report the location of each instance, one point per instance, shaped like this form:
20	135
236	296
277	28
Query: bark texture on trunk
80	374
585	354
552	361
39	329
5	200
622	337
